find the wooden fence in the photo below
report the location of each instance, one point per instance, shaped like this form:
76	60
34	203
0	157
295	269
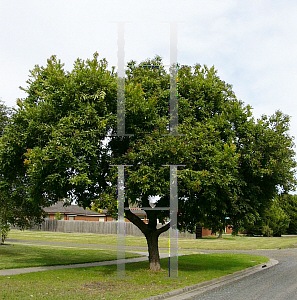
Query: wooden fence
97	227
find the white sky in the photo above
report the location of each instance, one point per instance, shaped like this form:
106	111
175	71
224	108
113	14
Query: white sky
252	43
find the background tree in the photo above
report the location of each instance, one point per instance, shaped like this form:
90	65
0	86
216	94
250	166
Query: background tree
5	113
288	203
62	141
280	218
273	222
276	220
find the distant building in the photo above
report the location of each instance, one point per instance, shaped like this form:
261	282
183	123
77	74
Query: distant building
75	212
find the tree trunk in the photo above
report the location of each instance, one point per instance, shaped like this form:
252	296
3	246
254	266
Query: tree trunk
198	232
220	234
153	249
152	235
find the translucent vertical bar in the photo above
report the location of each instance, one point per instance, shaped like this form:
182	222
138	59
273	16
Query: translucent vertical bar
121	81
121	223
121	127
173	80
173	70
173	258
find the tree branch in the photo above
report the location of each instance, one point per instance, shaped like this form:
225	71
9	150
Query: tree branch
163	229
135	220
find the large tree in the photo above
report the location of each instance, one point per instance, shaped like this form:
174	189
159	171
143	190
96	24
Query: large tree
280	218
289	205
62	142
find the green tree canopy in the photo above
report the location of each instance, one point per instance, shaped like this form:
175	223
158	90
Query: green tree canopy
280	218
5	113
62	141
289	205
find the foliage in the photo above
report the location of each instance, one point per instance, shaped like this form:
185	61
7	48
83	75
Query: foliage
62	142
5	113
4	229
53	148
58	216
234	164
274	221
277	220
266	231
288	203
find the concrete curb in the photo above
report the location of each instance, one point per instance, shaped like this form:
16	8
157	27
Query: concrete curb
190	292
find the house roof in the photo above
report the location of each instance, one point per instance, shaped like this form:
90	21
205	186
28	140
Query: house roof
71	210
137	211
80	211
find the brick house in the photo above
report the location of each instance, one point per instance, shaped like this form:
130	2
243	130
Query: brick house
75	212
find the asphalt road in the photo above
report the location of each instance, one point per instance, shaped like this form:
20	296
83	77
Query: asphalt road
276	283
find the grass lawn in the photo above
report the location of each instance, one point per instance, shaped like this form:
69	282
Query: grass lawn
100	282
239	243
228	242
22	256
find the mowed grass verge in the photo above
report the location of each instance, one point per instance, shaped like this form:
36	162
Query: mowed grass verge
227	243
22	255
101	282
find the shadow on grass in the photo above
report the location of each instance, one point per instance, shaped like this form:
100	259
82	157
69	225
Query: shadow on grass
22	256
186	264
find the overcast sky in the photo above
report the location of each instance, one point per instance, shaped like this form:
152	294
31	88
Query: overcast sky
252	43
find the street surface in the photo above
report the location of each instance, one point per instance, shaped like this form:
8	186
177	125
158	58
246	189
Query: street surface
276	283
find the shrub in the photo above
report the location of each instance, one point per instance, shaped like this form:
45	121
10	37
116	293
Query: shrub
4	229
